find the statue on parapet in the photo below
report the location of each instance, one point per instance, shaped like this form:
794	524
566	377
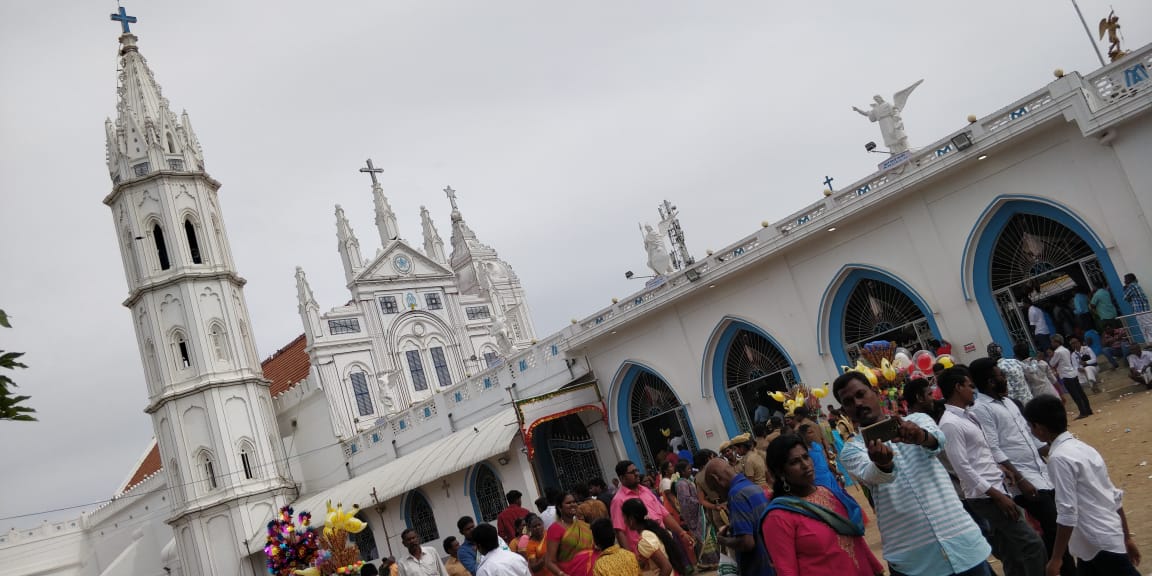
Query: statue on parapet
658	259
1111	27
887	114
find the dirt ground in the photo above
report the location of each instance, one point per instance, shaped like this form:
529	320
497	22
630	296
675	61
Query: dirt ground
1120	430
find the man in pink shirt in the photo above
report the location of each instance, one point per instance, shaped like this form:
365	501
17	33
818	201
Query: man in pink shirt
630	488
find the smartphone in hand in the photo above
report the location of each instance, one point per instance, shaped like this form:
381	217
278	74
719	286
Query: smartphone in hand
884	430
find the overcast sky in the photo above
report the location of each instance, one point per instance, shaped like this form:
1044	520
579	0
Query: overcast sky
561	125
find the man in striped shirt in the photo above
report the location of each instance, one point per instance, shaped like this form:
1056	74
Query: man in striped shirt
924	527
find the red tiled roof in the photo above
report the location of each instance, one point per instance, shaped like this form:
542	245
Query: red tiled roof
287	366
148	466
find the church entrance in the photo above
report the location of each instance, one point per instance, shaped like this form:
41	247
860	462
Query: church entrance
1043	260
753	367
656	416
565	453
877	310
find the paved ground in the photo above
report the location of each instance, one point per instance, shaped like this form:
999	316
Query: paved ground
1120	430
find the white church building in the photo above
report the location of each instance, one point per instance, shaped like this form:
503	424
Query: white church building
428	394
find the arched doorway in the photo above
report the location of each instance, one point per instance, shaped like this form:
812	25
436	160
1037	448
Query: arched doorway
487	492
1036	250
751	365
565	454
877	310
868	304
419	516
649	409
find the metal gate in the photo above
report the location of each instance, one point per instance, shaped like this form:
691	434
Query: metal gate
654	407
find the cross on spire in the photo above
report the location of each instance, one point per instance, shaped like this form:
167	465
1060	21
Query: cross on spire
124	19
372	171
451	198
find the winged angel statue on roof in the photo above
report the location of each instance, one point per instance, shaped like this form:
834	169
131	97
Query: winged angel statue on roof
888	115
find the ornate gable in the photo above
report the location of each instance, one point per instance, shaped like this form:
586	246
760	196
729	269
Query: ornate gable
399	261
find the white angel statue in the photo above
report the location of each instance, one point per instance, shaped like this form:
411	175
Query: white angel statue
888	116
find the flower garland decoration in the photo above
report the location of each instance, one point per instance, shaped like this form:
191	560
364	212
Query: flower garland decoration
290	547
303	551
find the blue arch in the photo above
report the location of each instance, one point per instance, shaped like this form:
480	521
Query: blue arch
470	487
857	273
1003	209
720	351
632	371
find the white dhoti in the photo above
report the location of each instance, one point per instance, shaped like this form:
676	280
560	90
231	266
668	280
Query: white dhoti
1087	375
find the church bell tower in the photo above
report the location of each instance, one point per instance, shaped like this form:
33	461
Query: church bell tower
209	402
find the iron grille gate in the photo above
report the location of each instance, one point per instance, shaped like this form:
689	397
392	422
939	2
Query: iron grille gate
654	407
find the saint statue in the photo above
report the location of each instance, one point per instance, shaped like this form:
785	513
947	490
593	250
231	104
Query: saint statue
1111	27
384	380
888	116
498	330
658	259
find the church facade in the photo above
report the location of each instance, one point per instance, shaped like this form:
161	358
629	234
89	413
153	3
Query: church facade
428	395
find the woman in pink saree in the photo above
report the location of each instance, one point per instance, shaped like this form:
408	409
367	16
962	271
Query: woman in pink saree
570	548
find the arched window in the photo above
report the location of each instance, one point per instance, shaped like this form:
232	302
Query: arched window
175	481
488	492
193	245
365	540
171	144
248	460
416	369
363	395
208	469
161	247
440	363
151	372
419	517
219	342
877	310
180	350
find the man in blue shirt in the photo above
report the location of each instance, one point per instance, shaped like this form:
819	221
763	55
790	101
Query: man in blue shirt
746	505
467	553
923	525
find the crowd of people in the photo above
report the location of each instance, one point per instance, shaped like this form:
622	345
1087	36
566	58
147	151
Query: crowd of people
979	463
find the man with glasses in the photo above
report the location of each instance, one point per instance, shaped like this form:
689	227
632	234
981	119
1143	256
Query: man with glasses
630	488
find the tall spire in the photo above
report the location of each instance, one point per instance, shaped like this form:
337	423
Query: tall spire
463	238
307	306
146	136
433	245
348	246
385	218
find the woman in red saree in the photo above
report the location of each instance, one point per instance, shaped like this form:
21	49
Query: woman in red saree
816	530
569	545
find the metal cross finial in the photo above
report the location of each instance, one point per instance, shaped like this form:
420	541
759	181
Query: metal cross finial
373	171
828	182
451	197
124	19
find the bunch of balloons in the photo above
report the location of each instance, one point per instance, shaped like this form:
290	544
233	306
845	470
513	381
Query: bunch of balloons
798	396
290	547
889	366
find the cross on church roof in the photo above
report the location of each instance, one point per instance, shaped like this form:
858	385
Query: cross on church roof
372	171
828	182
124	19
451	197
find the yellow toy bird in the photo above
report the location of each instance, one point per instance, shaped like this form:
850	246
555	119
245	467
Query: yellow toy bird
338	519
867	372
887	370
821	392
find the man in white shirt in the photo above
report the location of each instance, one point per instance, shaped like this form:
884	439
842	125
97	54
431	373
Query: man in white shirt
548	516
1039	323
418	560
1084	359
1061	362
1140	365
498	560
1090	515
1014	542
1016	450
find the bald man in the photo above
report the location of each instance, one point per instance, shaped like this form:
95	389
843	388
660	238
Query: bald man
746	504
